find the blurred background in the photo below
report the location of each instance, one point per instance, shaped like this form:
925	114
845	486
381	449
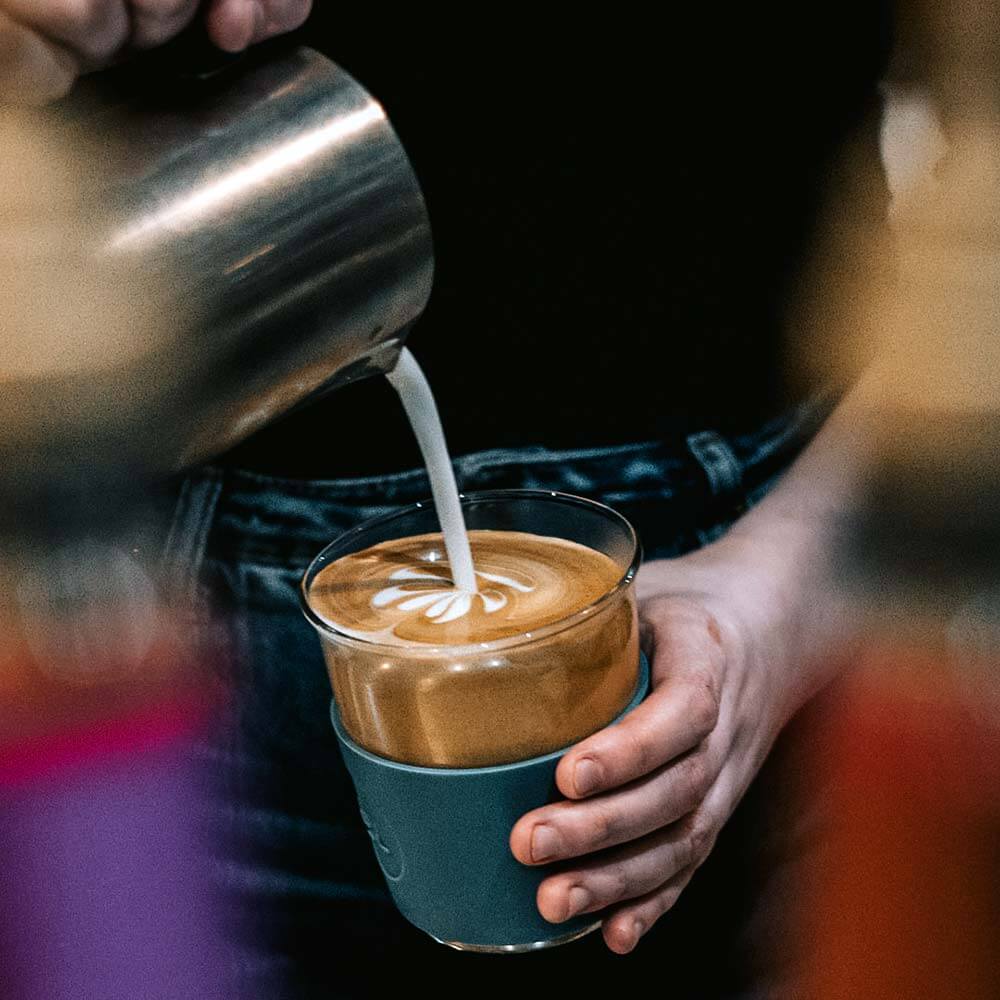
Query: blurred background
105	695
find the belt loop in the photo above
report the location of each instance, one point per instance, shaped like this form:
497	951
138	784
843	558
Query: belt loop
725	477
725	480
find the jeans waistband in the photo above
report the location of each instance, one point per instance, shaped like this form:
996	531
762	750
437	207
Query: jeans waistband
261	517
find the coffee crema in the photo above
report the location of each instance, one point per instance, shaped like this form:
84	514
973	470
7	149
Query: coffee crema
423	694
402	591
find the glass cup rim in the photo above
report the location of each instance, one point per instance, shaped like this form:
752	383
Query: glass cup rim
325	628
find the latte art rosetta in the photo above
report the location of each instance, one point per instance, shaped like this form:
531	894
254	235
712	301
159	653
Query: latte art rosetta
447	604
402	591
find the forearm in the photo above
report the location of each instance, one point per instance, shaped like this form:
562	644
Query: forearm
794	547
776	576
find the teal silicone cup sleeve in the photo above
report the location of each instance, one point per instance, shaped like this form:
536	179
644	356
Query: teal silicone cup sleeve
442	835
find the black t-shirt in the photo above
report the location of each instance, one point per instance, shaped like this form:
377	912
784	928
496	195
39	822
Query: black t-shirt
622	214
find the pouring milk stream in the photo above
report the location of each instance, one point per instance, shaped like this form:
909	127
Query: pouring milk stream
414	391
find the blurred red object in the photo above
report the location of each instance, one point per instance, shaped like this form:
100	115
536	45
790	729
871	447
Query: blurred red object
903	900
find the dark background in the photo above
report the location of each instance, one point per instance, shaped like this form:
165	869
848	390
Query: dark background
622	216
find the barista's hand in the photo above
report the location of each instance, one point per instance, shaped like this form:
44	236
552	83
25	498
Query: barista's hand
46	44
649	795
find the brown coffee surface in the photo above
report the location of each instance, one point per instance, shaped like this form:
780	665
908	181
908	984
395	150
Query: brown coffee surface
401	591
416	689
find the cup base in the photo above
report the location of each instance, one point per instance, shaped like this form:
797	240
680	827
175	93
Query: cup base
517	949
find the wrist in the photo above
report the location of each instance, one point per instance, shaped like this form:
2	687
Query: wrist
788	582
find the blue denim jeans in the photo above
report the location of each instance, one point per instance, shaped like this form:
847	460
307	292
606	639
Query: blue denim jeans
311	903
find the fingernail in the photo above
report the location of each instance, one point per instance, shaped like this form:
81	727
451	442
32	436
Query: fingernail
579	900
638	929
587	776
545	843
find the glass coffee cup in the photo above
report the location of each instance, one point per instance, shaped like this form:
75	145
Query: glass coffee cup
449	743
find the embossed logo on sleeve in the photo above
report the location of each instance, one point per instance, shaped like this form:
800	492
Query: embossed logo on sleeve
387	849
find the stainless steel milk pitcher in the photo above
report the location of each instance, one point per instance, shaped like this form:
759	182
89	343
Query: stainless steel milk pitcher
203	262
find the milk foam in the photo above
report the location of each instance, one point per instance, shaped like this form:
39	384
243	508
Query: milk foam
445	605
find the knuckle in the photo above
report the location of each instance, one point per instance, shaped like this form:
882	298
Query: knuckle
703	704
701	839
640	755
96	28
81	12
657	613
604	826
619	884
76	16
92	16
694	779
